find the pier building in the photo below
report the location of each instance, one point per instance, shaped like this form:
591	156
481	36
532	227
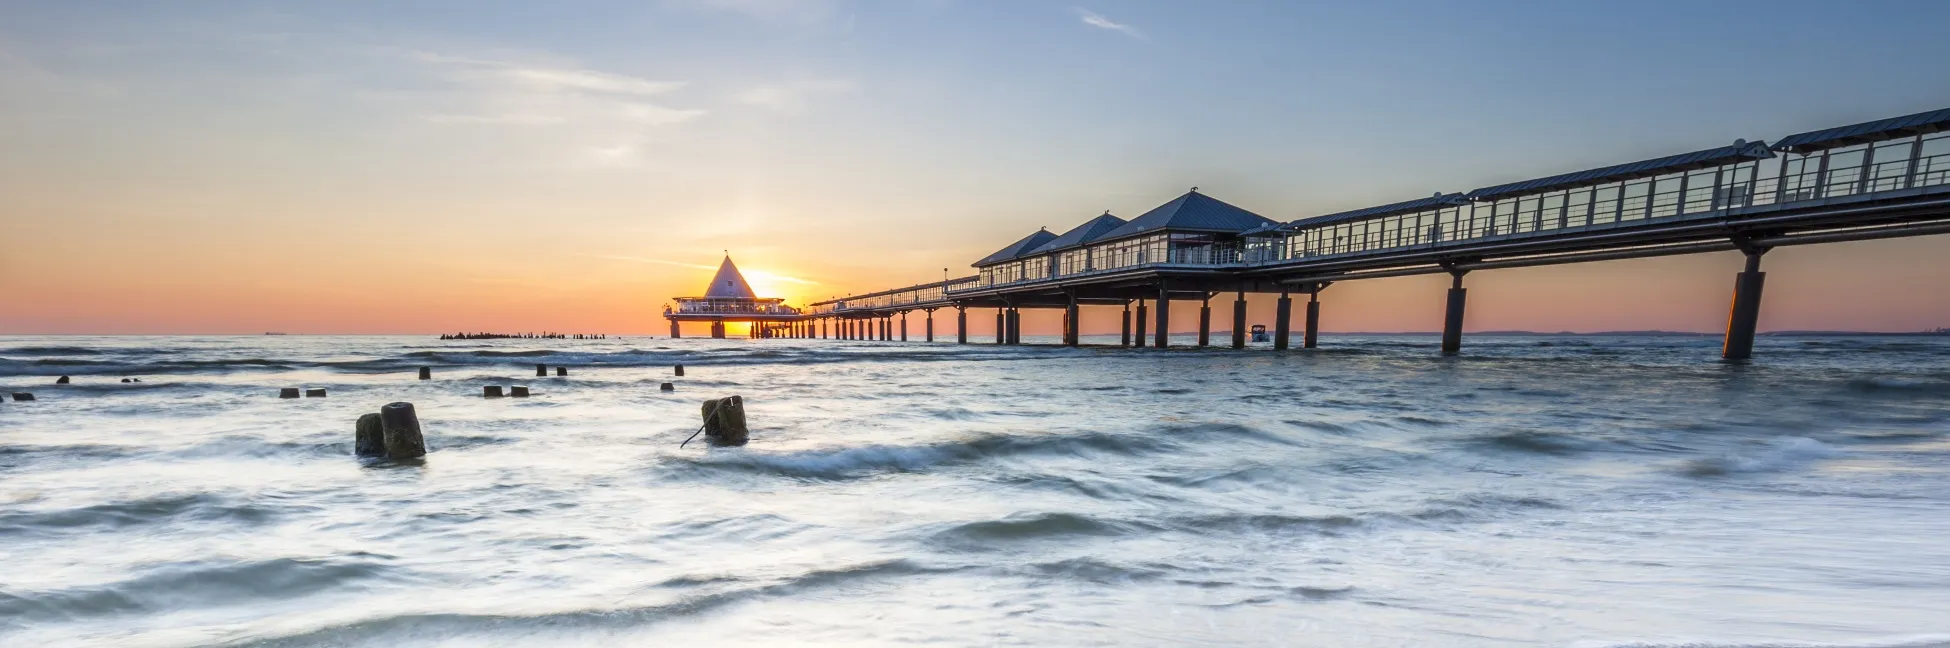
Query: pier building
730	299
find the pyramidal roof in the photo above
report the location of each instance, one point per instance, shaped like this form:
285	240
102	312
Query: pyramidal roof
1089	231
1020	247
729	284
1192	212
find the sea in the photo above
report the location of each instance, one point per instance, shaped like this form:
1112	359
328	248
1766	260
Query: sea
1578	491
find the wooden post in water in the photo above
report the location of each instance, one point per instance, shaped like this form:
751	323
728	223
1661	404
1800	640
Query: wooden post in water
1138	340
1164	316
369	436
1001	327
403	439
1072	332
961	324
426	373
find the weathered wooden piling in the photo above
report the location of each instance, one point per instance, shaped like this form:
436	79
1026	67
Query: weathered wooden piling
426	373
24	396
127	380
561	371
541	370
369	436
491	391
667	387
402	426
61	381
315	392
518	391
680	371
724	420
288	392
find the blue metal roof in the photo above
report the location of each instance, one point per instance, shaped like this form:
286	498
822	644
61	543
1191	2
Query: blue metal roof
1865	132
1018	248
1739	151
1089	231
1192	212
1437	201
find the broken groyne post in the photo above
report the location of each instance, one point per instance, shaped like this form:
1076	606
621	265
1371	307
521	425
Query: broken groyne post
491	391
288	392
541	370
61	381
23	396
316	392
667	387
369	438
402	431
724	420
518	391
561	371
426	373
680	371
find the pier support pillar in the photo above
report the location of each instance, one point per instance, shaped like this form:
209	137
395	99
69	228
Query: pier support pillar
1743	320
1001	326
1283	321
1164	318
1071	327
1452	321
1015	326
1126	340
1313	320
903	326
886	328
1138	340
717	329
674	331
1239	321
961	325
1205	323
930	324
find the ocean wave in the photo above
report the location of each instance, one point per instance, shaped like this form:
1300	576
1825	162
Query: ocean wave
845	463
51	351
201	507
511	629
192	586
1778	455
1033	526
1531	442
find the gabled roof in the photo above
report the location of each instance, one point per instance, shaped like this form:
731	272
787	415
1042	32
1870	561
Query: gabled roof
1090	230
1437	201
1740	150
729	283
1017	249
1865	132
1192	212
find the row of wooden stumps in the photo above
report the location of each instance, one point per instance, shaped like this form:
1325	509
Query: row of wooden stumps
393	433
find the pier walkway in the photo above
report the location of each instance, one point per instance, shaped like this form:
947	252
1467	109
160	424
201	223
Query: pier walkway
1881	179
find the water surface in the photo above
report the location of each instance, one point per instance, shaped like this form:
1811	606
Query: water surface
1539	491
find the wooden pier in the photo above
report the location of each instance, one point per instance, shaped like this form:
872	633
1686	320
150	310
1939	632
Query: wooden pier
1882	179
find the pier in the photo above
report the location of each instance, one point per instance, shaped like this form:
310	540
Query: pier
1881	179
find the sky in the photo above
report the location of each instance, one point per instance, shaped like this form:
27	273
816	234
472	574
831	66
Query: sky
382	167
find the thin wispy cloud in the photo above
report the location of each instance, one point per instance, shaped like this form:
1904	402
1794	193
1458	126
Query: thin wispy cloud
792	97
1098	20
604	114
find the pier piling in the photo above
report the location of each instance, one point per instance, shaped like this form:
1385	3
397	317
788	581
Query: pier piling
1313	319
1239	321
1283	321
1452	321
930	324
1205	322
491	391
541	370
1001	327
1072	327
1138	339
1164	317
961	324
426	373
288	392
903	326
1743	319
1126	339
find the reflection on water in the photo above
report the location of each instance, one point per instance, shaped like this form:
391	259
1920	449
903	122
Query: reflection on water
1546	491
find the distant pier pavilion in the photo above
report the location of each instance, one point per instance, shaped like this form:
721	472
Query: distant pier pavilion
730	299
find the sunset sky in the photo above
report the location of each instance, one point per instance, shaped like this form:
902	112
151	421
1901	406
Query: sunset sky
384	167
